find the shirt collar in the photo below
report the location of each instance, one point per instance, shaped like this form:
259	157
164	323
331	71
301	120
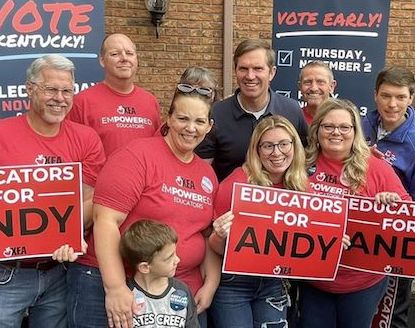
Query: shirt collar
239	112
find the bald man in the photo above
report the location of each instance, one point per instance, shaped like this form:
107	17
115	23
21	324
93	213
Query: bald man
116	108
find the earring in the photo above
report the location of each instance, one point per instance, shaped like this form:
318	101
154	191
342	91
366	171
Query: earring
164	129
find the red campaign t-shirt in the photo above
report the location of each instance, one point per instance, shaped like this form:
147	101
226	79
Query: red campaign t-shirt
20	145
118	118
328	180
307	115
223	200
146	180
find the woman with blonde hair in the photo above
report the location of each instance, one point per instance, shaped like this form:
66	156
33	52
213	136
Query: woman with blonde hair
275	158
339	162
294	177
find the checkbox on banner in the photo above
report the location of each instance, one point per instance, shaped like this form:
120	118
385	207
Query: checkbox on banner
285	58
284	93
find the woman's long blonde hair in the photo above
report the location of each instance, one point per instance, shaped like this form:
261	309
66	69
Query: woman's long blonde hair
356	164
295	178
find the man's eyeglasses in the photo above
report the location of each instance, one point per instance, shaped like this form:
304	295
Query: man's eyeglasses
283	146
342	128
187	88
52	92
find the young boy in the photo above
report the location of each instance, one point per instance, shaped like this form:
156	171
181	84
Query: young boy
149	247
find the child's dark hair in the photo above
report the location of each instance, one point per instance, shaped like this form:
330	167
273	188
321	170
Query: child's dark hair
143	239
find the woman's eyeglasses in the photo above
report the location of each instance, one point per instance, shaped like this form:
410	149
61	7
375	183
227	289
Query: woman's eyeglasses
187	88
283	146
342	128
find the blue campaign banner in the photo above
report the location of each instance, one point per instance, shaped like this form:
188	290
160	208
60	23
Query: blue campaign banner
30	29
349	35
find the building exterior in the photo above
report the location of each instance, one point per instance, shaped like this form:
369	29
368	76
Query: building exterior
193	33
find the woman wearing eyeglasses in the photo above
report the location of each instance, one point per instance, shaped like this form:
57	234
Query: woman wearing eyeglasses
339	162
275	158
162	179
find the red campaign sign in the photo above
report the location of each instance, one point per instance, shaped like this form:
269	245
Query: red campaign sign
383	317
284	233
382	236
41	210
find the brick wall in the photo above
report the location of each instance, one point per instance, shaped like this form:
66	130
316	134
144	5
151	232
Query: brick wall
401	34
192	34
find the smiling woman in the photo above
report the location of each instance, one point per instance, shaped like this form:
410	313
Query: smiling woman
188	122
339	162
158	178
275	158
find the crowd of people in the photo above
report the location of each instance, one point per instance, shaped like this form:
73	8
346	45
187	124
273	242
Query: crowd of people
157	194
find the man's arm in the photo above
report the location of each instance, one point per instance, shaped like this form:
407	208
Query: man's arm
87	195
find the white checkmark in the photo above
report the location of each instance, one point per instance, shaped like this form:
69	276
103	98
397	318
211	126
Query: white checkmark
284	59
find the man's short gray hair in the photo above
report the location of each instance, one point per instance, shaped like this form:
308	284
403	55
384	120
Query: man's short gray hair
53	61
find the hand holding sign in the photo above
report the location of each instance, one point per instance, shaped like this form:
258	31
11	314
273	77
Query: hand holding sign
387	198
65	253
222	224
346	241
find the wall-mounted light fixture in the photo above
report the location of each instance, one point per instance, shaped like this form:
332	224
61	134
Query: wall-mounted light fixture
157	9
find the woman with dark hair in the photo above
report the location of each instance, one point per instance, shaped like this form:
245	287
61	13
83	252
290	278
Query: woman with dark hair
159	178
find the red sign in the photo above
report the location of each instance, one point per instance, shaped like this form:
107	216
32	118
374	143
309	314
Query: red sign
383	317
41	210
382	237
284	233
